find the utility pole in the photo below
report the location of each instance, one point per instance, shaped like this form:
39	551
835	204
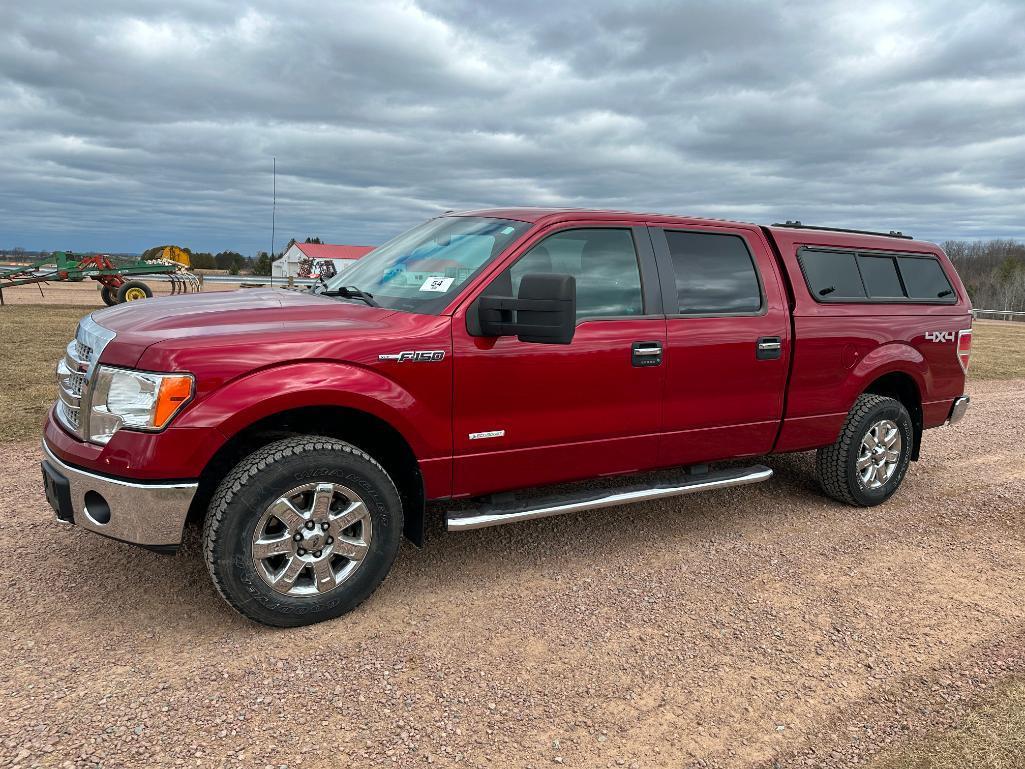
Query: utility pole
273	214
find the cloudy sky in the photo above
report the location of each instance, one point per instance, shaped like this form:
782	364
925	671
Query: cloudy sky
129	123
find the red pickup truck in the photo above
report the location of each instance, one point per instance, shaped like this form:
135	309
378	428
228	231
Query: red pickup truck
485	353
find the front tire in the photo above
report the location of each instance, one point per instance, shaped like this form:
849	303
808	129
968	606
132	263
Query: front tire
302	531
867	463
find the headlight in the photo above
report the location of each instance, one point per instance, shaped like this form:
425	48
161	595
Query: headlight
136	400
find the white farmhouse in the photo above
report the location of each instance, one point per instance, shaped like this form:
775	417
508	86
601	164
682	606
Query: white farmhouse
293	259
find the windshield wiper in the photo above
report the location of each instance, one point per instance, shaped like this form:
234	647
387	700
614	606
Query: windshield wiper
352	292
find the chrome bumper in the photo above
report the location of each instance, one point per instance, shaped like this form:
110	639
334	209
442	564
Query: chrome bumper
957	411
149	514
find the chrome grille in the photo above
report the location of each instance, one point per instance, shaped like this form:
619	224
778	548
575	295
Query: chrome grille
82	350
75	370
71	381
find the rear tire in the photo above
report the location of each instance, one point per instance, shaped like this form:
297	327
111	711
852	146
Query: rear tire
108	295
870	458
302	531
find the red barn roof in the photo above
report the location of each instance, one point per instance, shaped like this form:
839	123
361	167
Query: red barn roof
329	251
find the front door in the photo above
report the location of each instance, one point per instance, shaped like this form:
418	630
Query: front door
527	414
728	343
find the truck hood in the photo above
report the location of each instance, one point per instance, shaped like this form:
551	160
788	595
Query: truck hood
256	316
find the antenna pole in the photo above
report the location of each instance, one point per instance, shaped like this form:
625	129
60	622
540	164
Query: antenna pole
273	214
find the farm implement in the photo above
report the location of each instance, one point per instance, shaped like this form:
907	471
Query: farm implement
119	282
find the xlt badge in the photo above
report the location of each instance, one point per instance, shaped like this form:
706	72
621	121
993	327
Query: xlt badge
416	356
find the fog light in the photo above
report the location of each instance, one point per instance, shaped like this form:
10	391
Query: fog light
96	508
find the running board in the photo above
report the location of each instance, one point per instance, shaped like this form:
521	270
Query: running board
515	511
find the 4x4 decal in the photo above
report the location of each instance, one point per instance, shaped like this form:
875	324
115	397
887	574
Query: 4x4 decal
940	336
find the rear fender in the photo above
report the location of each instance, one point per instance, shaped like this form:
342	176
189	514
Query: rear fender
903	359
812	431
886	359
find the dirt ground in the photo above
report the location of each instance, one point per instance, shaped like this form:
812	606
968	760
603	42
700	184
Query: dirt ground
758	626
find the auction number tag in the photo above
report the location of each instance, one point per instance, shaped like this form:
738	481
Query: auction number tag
437	283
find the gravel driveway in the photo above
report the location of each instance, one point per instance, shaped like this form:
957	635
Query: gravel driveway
733	628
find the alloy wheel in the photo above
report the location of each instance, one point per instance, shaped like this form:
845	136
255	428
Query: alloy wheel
311	539
879	454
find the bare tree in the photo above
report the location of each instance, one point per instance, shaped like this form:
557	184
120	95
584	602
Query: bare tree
993	271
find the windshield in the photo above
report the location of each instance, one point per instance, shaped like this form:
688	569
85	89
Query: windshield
422	269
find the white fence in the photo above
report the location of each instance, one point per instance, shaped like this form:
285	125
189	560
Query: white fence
999	315
247	281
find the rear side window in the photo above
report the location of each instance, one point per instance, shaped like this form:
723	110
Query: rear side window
714	273
924	278
880	276
846	276
832	275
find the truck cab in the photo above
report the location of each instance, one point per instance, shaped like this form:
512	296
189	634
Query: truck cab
484	353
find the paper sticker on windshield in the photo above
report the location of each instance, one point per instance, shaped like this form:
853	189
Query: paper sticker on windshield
439	283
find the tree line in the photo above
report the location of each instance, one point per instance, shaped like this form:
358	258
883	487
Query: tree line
993	272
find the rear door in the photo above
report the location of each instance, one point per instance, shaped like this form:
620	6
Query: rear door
728	342
527	414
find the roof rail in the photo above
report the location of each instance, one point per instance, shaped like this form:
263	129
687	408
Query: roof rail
798	226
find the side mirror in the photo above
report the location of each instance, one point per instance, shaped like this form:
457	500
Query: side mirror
545	311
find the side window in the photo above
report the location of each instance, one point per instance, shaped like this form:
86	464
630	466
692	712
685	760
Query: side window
603	261
715	274
837	276
924	278
880	276
832	275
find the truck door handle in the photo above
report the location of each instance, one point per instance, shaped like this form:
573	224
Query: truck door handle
769	348
643	354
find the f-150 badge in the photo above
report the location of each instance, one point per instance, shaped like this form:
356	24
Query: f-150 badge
414	356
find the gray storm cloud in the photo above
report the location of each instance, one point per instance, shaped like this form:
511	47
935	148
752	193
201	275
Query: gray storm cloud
126	124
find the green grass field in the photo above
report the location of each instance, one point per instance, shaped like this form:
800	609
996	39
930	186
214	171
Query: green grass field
990	737
33	338
998	350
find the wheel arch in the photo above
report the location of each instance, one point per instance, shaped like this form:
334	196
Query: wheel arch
369	432
902	386
895	370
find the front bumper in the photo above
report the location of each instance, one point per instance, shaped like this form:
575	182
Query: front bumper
957	411
148	514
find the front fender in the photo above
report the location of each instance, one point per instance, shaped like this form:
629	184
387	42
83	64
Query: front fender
269	391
